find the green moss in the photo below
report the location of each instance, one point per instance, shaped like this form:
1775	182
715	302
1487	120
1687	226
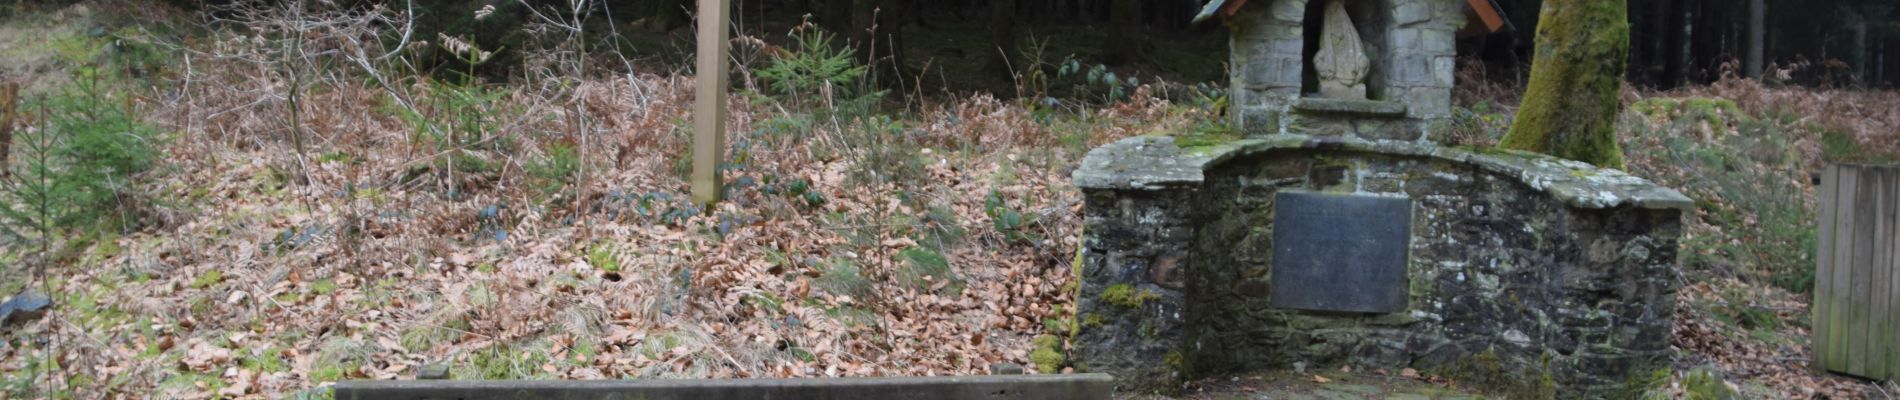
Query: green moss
1716	112
323	286
1487	370
209	278
338	359
445	328
1569	109
513	361
1703	384
1093	320
267	361
1047	354
1174	360
601	255
1125	295
1643	385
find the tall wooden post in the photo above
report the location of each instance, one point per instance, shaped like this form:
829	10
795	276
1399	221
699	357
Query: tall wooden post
709	104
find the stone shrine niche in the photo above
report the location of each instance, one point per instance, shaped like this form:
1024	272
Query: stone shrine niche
1408	50
1337	57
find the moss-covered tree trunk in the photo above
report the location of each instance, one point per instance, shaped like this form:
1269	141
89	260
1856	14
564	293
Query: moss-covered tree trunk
1570	108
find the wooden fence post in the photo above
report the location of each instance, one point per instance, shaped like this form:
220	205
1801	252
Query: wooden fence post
709	103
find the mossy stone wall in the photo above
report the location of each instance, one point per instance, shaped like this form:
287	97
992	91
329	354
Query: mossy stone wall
1521	265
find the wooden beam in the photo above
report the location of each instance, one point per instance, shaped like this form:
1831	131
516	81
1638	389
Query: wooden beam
709	103
1231	7
995	387
1487	13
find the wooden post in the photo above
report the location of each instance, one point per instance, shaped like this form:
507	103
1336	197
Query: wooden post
709	104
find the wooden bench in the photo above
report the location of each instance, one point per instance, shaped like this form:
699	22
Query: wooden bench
1050	387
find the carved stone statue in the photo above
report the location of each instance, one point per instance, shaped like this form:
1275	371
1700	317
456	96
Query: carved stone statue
1341	61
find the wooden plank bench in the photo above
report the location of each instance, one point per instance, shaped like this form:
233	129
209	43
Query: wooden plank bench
1051	387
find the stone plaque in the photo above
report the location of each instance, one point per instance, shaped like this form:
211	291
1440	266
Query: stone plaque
1338	252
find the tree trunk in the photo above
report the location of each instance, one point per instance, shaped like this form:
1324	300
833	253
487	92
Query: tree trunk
1655	42
836	17
1641	32
1124	19
1002	38
1569	109
1705	41
1757	32
1672	42
1857	24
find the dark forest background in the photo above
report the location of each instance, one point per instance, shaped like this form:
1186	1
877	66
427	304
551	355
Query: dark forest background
984	44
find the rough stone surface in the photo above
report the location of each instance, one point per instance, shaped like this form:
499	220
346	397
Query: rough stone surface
27	305
1538	273
1410	44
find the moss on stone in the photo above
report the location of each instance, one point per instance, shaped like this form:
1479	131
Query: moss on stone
1204	138
1093	320
1642	385
1125	295
1174	361
1570	107
1047	354
1487	370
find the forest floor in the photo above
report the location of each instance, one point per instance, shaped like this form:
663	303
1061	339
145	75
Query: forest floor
540	229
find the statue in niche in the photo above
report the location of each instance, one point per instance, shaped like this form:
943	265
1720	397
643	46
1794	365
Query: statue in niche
1341	61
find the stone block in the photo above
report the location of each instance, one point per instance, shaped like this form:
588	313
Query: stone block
1437	41
1258	121
1303	124
1410	68
1293	11
1444	70
1373	129
1290	47
1429	102
1403	38
1411	12
1273	71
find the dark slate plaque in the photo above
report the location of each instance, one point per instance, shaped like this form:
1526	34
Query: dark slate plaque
1336	252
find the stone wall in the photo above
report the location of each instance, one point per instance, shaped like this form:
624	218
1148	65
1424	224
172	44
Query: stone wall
1411	44
1532	273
